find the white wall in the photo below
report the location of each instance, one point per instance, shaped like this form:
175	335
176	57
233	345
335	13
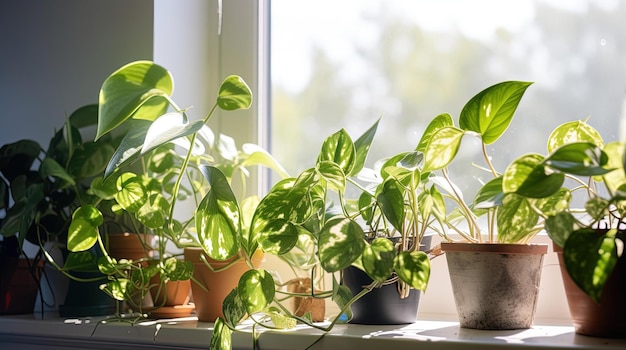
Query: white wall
55	54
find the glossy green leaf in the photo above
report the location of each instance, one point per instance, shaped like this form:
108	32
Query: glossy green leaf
234	94
233	308
278	237
490	195
490	112
129	88
340	243
362	147
431	202
131	193
391	202
378	258
217	217
413	268
339	149
442	148
575	131
528	177
83	231
129	149
515	219
559	227
332	174
590	258
222	336
256	289
341	296
579	158
177	270
169	127
439	122
255	155
107	265
116	288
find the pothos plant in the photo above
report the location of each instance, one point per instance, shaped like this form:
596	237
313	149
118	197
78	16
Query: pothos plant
510	218
136	100
41	186
588	221
314	215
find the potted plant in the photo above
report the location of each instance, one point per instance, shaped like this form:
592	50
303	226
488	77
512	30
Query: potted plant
587	225
135	100
40	188
492	255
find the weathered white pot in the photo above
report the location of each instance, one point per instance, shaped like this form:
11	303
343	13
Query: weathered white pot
495	286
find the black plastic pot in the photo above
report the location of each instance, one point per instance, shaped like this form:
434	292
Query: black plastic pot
382	305
86	299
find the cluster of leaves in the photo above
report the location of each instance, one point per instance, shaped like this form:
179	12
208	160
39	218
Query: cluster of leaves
40	187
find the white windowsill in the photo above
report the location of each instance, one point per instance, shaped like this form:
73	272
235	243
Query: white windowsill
27	332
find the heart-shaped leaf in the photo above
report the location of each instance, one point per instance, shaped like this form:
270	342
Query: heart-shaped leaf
234	94
490	112
256	289
340	243
413	268
83	231
129	88
378	259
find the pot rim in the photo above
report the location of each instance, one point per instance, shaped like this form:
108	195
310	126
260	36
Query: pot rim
498	248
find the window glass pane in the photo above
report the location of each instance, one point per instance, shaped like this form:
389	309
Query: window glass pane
344	64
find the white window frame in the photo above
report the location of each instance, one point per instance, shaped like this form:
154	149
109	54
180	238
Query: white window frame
202	42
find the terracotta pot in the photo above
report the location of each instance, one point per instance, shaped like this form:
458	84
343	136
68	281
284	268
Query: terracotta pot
171	293
130	246
133	246
303	305
218	284
19	284
170	299
606	319
495	286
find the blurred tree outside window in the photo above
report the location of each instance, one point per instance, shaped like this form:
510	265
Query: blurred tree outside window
344	64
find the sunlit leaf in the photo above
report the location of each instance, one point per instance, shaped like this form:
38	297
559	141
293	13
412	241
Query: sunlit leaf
234	94
413	268
340	243
490	112
127	89
339	149
528	177
590	258
83	231
574	131
362	147
378	258
256	289
217	217
442	148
